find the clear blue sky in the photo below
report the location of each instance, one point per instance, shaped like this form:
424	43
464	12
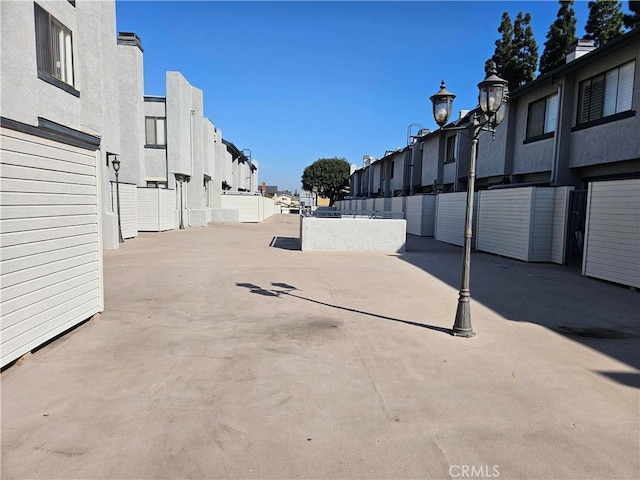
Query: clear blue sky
297	81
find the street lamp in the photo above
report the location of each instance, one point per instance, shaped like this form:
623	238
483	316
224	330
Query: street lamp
115	162
181	178
492	98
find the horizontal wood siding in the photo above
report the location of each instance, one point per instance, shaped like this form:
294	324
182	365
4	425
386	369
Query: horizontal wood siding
50	267
148	210
450	217
247	206
378	204
542	231
128	208
420	215
369	204
612	235
413	215
504	222
560	218
428	215
397	204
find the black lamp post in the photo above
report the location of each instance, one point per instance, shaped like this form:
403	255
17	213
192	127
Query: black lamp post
492	98
115	162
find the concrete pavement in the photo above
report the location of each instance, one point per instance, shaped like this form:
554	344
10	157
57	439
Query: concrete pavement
224	352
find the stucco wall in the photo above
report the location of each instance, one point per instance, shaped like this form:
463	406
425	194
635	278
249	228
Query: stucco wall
353	234
612	141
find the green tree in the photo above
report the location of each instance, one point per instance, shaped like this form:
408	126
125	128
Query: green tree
516	53
525	49
328	177
604	21
632	20
560	37
503	54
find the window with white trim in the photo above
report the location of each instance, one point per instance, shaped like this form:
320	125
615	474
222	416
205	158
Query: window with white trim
542	116
155	131
606	94
54	47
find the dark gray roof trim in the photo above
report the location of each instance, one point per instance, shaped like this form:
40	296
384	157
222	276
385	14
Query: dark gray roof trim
54	131
130	38
612	45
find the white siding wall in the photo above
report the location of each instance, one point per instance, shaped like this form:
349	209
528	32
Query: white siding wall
51	249
450	217
612	234
369	204
543	205
251	208
128	208
559	230
420	214
397	204
504	222
155	209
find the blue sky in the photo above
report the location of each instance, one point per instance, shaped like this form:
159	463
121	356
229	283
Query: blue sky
297	81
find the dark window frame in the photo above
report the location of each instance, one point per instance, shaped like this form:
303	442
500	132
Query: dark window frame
592	99
450	149
46	55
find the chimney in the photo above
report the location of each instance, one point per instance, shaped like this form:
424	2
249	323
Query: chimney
264	188
582	47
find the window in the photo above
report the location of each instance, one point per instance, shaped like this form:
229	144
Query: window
155	131
54	52
542	117
156	184
450	154
606	94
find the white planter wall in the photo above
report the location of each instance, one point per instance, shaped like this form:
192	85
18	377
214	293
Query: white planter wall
612	233
51	247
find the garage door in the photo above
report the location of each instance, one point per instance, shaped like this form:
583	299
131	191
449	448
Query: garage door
50	248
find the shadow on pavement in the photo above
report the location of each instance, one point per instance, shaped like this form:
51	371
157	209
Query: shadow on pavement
285	243
286	289
598	314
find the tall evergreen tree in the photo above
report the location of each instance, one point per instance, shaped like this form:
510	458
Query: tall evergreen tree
560	37
632	20
503	54
604	21
525	49
516	53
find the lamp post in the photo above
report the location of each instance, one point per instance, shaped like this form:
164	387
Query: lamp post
181	178
492	98
115	162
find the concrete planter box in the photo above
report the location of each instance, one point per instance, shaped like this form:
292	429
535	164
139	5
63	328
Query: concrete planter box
353	234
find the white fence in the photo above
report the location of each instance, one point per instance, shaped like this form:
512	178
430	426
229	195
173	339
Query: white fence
128	208
612	233
251	208
156	209
51	247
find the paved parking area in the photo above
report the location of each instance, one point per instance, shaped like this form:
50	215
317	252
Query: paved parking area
224	352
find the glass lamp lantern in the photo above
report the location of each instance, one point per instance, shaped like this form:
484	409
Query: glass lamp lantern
492	92
442	104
